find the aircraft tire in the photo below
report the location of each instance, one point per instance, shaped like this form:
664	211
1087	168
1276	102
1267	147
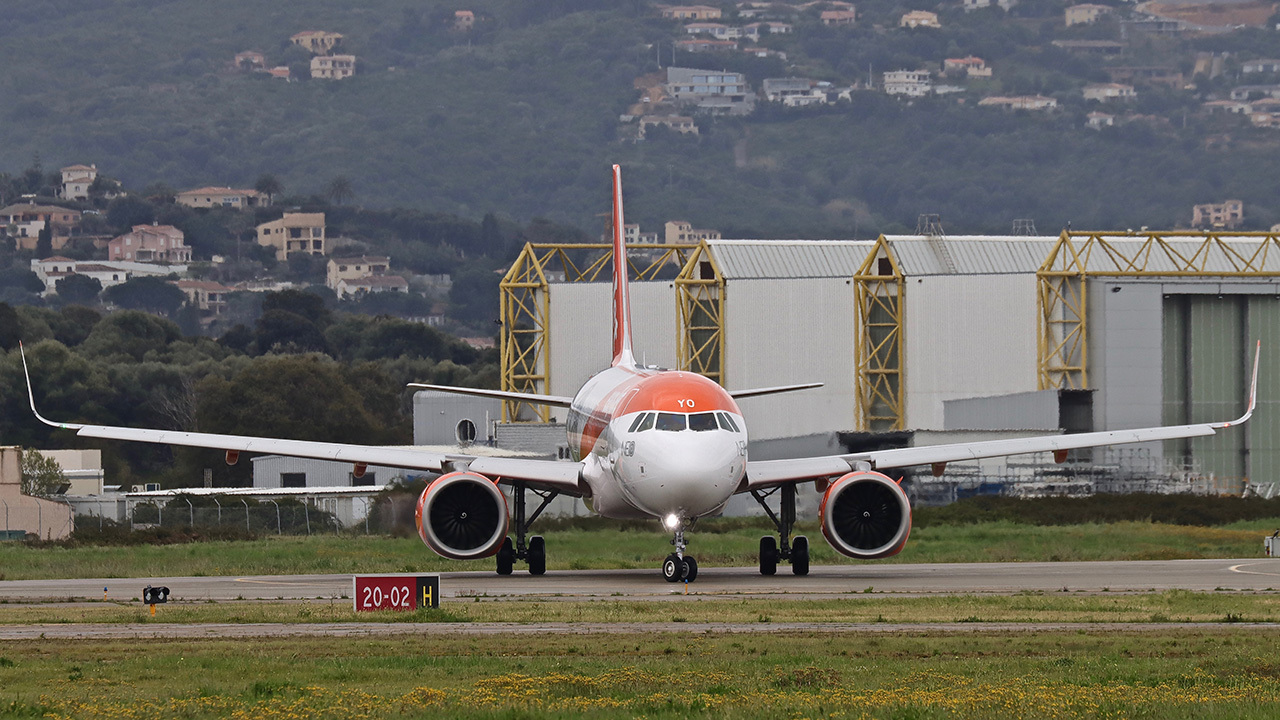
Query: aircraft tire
673	568
537	555
690	569
506	557
768	555
800	555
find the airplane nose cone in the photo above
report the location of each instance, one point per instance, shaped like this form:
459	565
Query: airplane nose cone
683	473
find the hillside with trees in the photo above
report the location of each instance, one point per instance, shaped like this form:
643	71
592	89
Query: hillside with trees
518	115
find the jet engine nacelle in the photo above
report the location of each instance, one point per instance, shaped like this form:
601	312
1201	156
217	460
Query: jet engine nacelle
865	515
462	516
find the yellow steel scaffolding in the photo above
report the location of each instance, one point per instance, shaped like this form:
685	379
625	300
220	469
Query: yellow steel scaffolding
1063	345
700	299
525	307
878	347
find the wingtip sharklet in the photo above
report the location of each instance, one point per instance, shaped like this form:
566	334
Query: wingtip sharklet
31	397
1253	392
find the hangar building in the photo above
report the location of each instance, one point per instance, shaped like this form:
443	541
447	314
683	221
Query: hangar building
925	339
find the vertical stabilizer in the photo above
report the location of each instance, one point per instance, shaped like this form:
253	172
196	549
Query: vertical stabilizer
621	294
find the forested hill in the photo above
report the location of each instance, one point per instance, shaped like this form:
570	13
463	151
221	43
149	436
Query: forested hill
520	115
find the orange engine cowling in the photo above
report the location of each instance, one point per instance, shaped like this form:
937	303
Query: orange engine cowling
462	516
865	515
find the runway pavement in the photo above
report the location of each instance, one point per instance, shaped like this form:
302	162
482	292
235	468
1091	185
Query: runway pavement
1246	574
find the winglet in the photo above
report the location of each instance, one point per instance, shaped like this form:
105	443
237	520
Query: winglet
32	398
621	294
1253	392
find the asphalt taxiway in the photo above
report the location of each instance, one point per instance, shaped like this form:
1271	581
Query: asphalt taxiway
1243	574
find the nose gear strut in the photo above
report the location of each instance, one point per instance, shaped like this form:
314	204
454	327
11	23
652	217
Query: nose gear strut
678	566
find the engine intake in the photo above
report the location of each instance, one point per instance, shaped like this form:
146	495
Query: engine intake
462	516
865	515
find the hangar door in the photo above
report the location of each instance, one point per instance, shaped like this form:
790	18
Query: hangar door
1207	348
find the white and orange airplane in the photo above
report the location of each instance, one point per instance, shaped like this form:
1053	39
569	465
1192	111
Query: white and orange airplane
653	443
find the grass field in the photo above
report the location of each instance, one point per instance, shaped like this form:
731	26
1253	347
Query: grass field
1187	674
715	544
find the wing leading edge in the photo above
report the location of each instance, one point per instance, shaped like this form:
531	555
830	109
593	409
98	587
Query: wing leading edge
776	472
564	477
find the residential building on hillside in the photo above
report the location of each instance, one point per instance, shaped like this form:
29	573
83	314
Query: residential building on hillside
690	12
968	66
24	221
918	19
1100	48
971	5
463	20
250	60
207	197
1234	107
912	83
1084	14
151	243
209	297
1104	92
294	233
839	17
333	67
794	92
1227	214
712	91
1098	120
705	45
682	232
354	268
1147	75
1252	92
76	180
1019	102
51	270
373	284
682	124
1260	66
318	42
757	29
716	30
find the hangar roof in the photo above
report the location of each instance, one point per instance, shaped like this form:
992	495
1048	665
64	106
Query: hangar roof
771	259
969	254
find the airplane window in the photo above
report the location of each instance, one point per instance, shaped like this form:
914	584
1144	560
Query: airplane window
647	424
671	422
702	422
726	422
639	419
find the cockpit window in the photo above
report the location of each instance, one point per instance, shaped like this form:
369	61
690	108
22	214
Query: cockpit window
671	422
727	422
636	423
702	422
646	423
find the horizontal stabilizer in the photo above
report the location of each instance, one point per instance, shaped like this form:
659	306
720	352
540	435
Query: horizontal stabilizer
753	392
536	399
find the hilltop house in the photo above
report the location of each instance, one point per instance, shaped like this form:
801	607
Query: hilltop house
1085	14
969	66
151	243
354	268
712	91
690	12
1221	215
793	92
912	83
918	19
51	270
1019	102
318	42
24	221
333	67
1103	92
207	197
839	17
680	232
682	124
209	297
294	233
76	180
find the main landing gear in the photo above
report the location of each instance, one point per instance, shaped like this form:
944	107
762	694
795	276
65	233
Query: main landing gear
535	551
679	566
784	548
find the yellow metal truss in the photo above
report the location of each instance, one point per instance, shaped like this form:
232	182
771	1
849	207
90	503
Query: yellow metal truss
525	308
878	346
700	299
1063	318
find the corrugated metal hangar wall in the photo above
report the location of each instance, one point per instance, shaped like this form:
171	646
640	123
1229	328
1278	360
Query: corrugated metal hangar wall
949	338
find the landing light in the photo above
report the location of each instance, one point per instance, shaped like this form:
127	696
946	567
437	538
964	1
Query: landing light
671	521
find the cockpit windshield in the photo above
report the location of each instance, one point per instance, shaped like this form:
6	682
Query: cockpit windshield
701	422
675	422
671	422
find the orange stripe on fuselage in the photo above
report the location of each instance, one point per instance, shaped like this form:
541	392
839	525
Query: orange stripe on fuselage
639	391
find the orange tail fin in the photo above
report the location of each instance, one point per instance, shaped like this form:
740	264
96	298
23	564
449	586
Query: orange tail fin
621	294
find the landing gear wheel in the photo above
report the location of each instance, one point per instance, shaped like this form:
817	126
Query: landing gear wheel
690	569
537	555
673	568
506	557
768	555
800	555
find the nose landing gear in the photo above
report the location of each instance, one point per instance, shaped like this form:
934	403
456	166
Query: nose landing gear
678	566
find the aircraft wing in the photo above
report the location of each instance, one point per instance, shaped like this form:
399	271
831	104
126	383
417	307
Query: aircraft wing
536	399
753	392
768	473
563	477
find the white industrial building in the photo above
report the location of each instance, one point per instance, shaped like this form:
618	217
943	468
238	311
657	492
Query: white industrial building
927	339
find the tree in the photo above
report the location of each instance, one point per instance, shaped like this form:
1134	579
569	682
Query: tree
282	331
10	327
308	305
41	476
339	190
79	289
268	185
125	212
148	293
44	242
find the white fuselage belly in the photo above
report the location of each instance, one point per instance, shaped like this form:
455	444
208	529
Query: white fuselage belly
652	472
